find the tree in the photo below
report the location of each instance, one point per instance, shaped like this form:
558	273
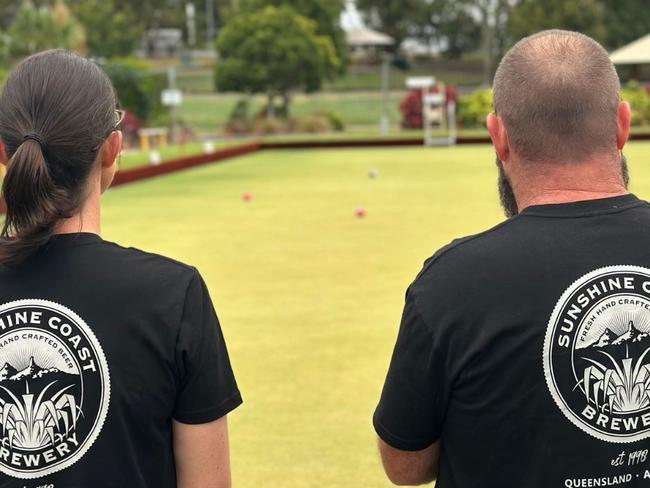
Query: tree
397	18
117	37
530	16
139	15
9	9
494	16
35	29
453	24
273	51
325	14
625	21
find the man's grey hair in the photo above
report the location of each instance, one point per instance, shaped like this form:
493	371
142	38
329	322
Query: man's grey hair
557	93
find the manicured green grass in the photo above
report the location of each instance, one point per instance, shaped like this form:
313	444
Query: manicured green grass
135	158
207	114
309	296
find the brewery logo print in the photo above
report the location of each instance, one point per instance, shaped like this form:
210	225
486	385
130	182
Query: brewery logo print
597	353
54	388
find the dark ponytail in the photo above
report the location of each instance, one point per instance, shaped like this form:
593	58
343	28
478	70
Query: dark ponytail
56	109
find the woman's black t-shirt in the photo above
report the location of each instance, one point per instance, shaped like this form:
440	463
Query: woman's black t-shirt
102	346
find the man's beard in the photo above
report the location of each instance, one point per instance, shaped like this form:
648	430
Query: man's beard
625	170
507	196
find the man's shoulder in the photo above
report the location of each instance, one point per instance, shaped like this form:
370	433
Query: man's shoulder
460	278
464	253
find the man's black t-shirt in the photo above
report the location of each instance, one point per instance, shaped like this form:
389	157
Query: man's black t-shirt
525	351
100	348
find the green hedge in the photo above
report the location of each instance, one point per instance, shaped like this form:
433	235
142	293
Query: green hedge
639	100
138	89
474	108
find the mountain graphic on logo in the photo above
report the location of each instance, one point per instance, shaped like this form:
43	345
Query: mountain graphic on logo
630	336
32	371
7	372
605	339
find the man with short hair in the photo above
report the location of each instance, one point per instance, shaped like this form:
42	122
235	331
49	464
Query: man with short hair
523	357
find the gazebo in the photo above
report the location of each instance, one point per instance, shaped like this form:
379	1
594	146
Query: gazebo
364	37
635	55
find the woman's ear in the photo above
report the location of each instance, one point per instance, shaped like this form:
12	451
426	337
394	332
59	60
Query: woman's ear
112	148
110	153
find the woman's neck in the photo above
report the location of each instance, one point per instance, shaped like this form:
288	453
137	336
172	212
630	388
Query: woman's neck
86	220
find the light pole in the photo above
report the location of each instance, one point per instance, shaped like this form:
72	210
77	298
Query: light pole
384	123
191	23
209	21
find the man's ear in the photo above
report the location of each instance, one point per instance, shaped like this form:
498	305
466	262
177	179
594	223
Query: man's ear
498	135
112	148
3	155
623	121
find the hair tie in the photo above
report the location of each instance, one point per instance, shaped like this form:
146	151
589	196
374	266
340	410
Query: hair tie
36	137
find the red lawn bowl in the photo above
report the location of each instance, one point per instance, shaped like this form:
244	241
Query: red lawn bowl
360	212
246	196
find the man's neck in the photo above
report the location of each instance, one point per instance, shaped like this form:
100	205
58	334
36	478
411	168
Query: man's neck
565	196
564	183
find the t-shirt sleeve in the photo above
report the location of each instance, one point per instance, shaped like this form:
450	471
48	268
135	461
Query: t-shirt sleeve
207	389
413	401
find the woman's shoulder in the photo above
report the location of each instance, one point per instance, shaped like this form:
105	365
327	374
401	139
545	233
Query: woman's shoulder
137	265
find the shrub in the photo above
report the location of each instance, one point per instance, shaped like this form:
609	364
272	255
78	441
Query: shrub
240	110
411	106
238	120
474	108
335	121
130	127
271	125
237	127
313	124
639	100
137	88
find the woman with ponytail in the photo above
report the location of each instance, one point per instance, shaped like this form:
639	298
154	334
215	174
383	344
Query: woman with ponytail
113	367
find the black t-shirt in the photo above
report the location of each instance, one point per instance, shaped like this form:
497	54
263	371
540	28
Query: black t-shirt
100	348
525	351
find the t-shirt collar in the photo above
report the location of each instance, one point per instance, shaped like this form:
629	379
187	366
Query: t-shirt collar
72	240
584	207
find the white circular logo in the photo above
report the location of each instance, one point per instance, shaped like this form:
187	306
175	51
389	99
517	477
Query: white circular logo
54	388
597	353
